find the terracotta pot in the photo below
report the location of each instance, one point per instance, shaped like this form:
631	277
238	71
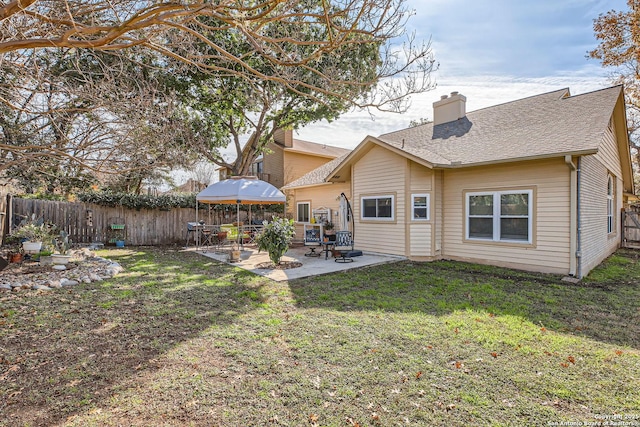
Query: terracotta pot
234	255
15	257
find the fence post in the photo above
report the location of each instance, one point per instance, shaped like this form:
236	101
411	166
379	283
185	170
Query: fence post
7	217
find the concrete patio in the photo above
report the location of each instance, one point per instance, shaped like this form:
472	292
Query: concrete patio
251	259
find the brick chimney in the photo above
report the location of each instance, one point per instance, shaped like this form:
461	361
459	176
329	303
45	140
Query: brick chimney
449	108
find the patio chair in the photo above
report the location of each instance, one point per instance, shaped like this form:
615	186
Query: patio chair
344	247
208	237
232	233
312	239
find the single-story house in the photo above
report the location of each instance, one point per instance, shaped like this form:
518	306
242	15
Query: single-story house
535	184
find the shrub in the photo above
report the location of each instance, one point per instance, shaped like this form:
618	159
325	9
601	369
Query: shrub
139	201
34	230
276	238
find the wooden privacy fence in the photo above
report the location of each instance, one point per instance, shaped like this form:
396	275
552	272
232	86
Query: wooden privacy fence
631	229
90	223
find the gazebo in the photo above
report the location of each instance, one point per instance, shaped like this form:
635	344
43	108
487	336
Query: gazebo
241	190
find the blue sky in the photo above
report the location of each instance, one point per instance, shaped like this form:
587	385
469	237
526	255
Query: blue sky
491	51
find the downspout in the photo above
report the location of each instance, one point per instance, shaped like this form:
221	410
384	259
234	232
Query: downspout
579	224
196	238
573	214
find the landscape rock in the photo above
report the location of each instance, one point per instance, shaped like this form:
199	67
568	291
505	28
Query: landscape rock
68	282
85	267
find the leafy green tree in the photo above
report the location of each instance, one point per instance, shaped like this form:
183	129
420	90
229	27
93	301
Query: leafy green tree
360	68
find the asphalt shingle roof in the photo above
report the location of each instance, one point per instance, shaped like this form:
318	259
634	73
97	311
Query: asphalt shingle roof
539	126
318	175
318	149
546	125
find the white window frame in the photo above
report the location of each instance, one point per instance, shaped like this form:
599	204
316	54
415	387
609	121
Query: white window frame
308	212
427	217
377	218
497	216
610	205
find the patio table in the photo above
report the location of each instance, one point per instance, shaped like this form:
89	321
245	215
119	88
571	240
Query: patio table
327	246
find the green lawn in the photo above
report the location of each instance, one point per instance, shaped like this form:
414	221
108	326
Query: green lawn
180	340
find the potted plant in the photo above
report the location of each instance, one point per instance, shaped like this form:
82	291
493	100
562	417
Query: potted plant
15	257
118	238
275	238
62	247
44	257
329	232
32	234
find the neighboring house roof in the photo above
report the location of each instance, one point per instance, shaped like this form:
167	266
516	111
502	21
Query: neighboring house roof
304	147
313	148
548	125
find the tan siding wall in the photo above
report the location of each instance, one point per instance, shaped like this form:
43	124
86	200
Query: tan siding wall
420	178
297	165
325	195
550	181
274	165
608	153
380	172
419	232
437	210
420	240
596	243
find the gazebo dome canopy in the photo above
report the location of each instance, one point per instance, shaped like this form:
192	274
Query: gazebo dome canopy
245	190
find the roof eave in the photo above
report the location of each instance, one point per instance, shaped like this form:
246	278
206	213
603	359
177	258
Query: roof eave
620	119
455	165
297	187
310	153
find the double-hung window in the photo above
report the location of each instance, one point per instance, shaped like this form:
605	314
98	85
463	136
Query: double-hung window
501	216
378	208
420	207
610	209
303	212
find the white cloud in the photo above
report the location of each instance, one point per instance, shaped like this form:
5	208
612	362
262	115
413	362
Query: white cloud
492	51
